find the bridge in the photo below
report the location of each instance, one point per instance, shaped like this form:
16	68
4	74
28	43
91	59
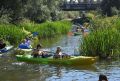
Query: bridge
77	5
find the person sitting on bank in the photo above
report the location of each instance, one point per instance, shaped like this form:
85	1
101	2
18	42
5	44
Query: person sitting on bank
102	78
2	44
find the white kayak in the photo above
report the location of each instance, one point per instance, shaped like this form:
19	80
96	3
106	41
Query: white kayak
6	49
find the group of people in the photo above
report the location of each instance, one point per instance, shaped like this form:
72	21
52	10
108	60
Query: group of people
2	44
39	52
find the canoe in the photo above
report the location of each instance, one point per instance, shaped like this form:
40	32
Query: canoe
77	33
73	60
6	49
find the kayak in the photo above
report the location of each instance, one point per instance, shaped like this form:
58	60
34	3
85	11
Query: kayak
6	49
77	33
25	50
73	60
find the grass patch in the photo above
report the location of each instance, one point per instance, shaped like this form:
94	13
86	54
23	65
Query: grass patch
15	33
104	40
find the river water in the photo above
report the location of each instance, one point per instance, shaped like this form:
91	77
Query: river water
12	70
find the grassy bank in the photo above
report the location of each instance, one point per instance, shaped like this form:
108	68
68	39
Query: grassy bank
104	40
48	29
14	34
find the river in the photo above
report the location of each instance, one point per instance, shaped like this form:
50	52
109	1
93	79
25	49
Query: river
12	70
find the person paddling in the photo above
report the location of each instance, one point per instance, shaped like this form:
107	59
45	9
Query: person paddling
59	54
26	44
39	52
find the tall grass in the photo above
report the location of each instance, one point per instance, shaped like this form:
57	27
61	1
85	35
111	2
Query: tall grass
14	34
11	33
104	40
48	29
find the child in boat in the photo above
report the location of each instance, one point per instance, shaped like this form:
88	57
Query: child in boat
2	44
102	78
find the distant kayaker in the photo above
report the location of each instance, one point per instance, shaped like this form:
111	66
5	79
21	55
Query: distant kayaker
102	78
78	29
2	44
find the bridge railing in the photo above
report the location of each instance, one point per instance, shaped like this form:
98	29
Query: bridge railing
80	6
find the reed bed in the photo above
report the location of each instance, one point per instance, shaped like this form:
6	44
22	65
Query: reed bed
104	40
49	29
15	33
11	33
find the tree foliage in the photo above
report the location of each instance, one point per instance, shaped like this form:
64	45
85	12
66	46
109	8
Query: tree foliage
35	10
107	5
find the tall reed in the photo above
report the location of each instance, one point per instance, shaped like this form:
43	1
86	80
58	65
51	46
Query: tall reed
48	29
11	33
15	33
104	40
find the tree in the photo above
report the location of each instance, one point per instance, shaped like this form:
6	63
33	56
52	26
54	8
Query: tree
107	5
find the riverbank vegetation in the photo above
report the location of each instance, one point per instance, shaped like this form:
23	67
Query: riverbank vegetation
104	39
15	33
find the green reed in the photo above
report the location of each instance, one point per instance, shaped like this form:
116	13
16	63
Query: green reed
104	40
11	33
49	29
15	33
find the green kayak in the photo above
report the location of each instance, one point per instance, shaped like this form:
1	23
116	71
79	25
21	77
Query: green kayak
73	60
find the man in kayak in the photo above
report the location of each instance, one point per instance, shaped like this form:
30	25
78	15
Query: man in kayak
39	52
59	54
2	44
